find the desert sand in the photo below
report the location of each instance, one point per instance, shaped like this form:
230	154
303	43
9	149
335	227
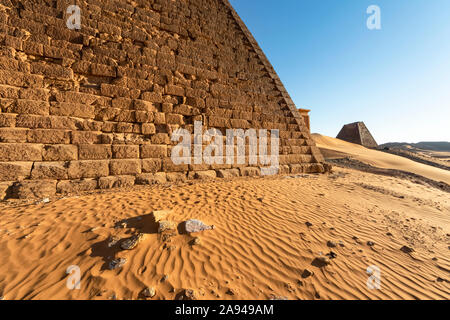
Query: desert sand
268	231
380	159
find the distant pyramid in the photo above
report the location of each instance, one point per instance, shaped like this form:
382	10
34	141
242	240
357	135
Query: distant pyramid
358	133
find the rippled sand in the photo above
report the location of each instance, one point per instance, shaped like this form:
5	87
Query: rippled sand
259	248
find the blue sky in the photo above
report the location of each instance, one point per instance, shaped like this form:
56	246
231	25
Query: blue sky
396	80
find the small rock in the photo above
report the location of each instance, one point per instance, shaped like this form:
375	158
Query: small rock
331	244
165	278
308	224
166	225
230	292
149	292
45	200
260	199
406	249
289	287
188	294
195	241
117	263
160	214
166	237
131	243
321	261
307	273
370	243
194	225
332	255
112	241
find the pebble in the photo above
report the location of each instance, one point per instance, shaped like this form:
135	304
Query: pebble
406	249
188	294
149	292
307	273
230	292
370	243
331	244
332	255
321	261
194	225
131	243
166	225
112	241
117	263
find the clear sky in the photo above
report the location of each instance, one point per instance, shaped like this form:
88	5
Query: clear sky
396	80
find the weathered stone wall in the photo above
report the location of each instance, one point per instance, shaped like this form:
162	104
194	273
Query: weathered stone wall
95	107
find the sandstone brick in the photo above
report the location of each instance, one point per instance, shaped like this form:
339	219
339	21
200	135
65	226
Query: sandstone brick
153	151
49	170
250	171
142	105
152	97
34	94
11	171
176	177
73	110
7	120
148	128
125	167
116	182
88	169
169	166
30	107
228	173
76	186
205	175
29	189
174	90
159	118
13	135
94	151
125	151
160	138
85	137
20	152
151	165
48	136
45	122
60	152
150	178
174	119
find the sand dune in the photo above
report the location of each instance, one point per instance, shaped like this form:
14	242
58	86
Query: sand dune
381	159
259	249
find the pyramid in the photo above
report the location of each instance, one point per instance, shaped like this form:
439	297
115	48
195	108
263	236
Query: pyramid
358	133
93	103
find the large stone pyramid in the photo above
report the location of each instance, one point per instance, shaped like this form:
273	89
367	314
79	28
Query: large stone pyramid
358	133
95	107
